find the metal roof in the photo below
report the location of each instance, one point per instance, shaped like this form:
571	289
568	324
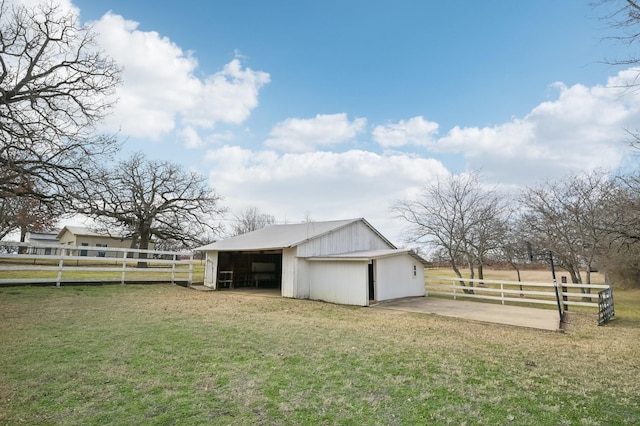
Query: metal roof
47	237
370	254
86	232
282	236
78	230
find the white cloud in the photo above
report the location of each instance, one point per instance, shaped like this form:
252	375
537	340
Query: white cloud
512	139
583	129
415	131
327	185
300	135
190	137
160	90
227	96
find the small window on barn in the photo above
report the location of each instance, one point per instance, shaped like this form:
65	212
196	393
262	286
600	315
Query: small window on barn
415	271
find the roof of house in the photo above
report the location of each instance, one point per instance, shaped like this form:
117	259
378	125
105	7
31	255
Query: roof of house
370	254
45	237
283	236
85	232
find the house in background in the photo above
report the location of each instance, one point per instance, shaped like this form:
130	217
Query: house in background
82	236
44	239
344	261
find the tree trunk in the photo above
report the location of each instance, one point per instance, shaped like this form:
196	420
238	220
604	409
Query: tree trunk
23	236
134	244
515	266
461	281
575	278
587	290
144	245
457	272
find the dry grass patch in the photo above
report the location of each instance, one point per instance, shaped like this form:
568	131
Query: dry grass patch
165	354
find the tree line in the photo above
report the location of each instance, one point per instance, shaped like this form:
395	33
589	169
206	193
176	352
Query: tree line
587	222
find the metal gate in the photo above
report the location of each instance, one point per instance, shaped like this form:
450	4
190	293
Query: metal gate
605	306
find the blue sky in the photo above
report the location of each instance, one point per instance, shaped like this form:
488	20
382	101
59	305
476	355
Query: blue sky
476	63
336	109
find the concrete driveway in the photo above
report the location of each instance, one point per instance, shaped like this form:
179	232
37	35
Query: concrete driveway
542	319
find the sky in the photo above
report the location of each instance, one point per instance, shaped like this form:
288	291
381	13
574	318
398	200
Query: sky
336	109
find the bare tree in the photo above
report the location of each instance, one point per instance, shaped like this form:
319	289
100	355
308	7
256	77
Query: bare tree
621	261
55	85
488	231
458	216
569	218
150	199
26	214
623	16
624	224
251	219
515	247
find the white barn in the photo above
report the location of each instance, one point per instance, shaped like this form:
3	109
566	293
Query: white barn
343	261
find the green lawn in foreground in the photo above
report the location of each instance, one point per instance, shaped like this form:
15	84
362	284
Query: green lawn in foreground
162	354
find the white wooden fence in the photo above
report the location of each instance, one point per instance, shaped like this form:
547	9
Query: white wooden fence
22	263
515	292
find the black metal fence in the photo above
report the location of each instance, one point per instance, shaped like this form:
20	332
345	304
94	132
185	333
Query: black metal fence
605	306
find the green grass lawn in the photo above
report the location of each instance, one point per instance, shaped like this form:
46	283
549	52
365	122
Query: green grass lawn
163	354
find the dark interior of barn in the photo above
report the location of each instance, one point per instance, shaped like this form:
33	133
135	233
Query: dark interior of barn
249	269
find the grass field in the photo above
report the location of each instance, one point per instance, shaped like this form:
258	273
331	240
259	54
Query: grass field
163	354
114	275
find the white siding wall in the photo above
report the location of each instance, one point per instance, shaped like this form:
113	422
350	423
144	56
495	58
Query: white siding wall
211	270
355	237
303	286
95	240
394	277
339	282
289	273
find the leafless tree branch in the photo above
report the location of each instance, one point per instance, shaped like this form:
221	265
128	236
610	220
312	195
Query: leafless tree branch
55	86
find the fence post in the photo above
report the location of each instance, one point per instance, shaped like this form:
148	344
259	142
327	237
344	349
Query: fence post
190	269
454	290
60	266
502	292
173	269
125	256
564	296
555	286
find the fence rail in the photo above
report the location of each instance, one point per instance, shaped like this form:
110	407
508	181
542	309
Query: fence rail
22	263
517	292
